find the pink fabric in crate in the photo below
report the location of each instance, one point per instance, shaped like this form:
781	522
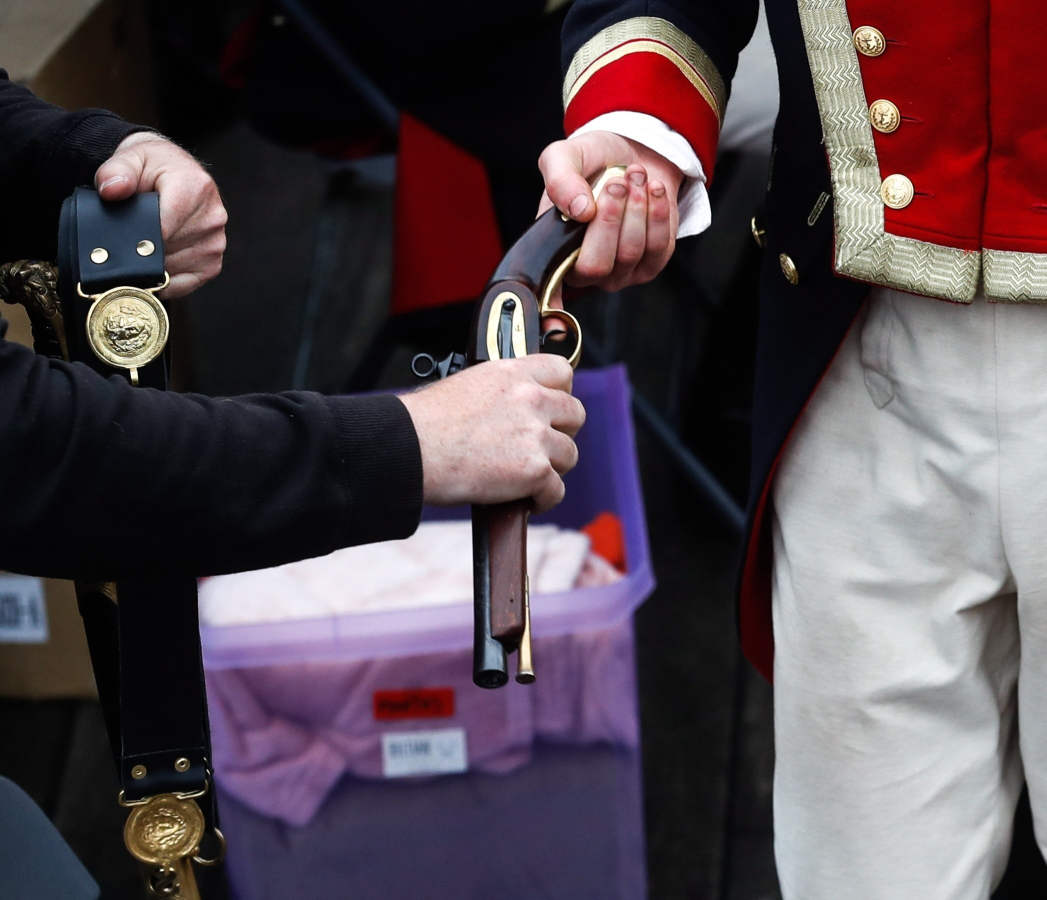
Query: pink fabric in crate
284	735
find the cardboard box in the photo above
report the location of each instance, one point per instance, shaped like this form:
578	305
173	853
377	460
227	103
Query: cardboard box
78	53
43	650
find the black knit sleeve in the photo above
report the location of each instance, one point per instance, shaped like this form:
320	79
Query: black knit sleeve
45	152
99	479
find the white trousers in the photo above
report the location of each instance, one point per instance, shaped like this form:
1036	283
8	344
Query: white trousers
910	605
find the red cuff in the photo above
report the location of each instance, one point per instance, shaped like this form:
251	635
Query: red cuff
649	83
646	64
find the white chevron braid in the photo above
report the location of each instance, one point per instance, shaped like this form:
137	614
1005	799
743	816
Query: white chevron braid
863	248
1016	277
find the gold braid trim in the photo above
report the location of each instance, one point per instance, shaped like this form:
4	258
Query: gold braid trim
864	248
647	34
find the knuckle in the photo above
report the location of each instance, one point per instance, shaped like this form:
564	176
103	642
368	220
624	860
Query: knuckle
609	212
592	269
550	155
529	395
572	455
659	212
630	254
556	492
536	469
219	218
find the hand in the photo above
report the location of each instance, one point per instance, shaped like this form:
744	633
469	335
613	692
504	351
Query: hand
192	217
633	231
498	431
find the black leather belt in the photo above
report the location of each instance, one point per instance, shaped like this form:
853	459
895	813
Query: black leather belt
143	633
110	265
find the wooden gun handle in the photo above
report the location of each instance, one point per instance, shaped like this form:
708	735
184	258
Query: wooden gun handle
507	561
499	588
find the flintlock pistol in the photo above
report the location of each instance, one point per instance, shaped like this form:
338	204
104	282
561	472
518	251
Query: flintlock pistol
513	319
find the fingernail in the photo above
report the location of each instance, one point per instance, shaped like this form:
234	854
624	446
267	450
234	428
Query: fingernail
579	205
113	180
617	189
638	178
657	189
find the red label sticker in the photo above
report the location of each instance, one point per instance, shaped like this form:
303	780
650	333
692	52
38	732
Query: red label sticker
417	703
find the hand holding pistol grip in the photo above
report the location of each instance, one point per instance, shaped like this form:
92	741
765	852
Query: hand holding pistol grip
508	324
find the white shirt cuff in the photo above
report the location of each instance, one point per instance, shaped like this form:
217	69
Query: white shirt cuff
693	200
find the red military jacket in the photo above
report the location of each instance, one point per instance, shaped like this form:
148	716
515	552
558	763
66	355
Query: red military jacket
910	152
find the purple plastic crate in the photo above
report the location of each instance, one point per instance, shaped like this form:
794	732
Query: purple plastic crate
606	479
550	802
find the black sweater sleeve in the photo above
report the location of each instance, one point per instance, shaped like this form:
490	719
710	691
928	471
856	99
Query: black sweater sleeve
45	152
99	479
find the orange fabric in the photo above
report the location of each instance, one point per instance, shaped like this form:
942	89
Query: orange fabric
648	83
446	243
607	539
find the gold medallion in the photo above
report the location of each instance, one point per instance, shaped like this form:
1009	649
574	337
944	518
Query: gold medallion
127	327
164	830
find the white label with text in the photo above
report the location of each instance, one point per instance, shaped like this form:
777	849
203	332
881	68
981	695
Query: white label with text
424	752
23	615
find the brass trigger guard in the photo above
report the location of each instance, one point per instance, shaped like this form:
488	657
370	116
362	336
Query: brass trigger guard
545	311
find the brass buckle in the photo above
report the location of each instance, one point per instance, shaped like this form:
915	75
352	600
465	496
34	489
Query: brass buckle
178	795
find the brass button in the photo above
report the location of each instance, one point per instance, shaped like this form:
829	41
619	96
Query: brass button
869	41
145	248
99	255
884	116
896	191
789	269
759	234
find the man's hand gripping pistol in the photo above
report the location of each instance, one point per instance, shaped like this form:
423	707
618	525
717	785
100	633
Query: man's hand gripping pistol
514	318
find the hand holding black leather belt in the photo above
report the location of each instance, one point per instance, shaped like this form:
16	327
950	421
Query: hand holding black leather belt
143	632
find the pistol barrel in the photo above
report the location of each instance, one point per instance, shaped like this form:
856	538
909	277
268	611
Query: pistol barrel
490	668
